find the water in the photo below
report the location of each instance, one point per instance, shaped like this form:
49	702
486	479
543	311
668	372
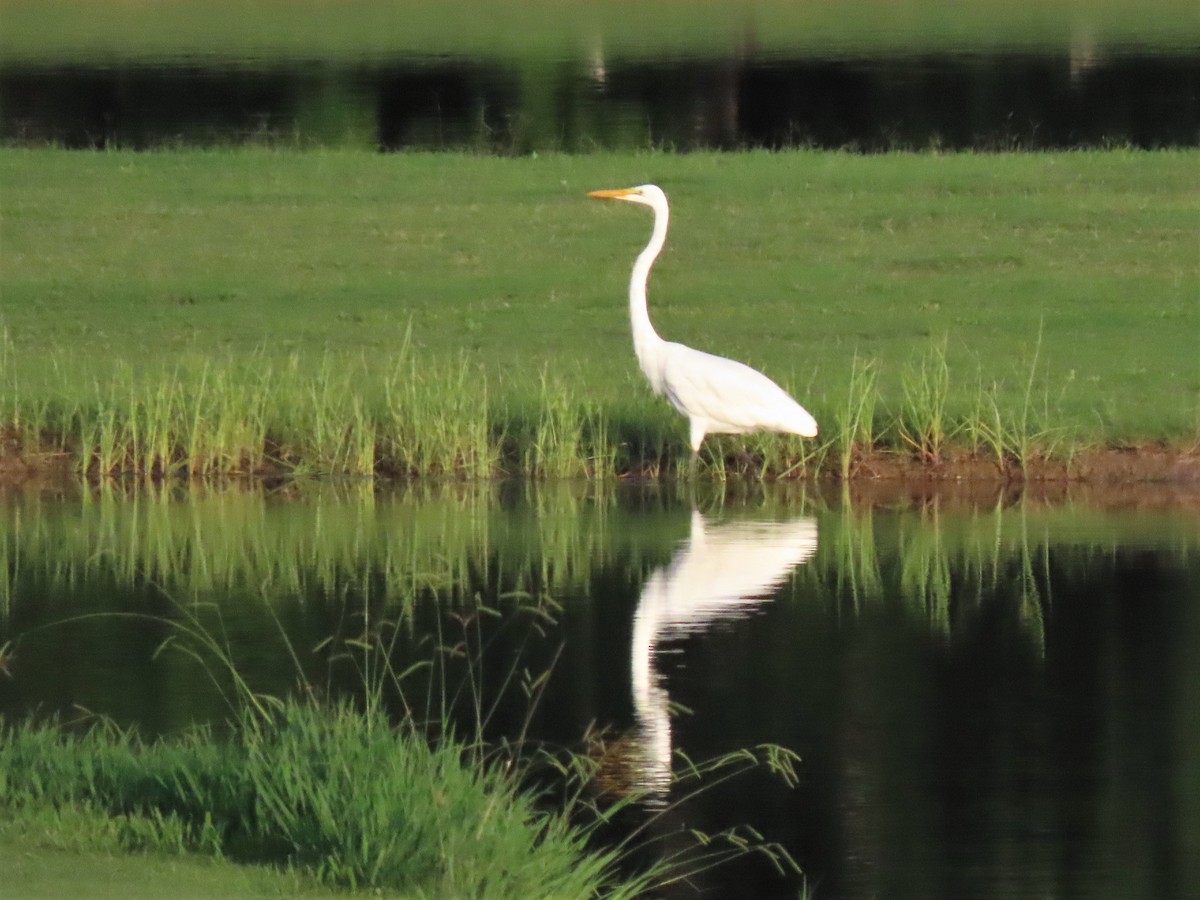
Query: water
996	100
866	77
989	696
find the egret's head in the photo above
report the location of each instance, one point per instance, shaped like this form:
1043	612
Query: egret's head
646	194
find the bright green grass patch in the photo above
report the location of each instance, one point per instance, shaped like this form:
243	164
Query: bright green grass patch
330	792
351	312
69	852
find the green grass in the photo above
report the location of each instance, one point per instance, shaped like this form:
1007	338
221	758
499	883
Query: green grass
69	852
228	311
327	791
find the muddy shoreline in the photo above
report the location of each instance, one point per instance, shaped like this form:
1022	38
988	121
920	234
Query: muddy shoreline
1142	476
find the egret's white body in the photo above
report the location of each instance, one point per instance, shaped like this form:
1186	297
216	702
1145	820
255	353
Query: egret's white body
718	395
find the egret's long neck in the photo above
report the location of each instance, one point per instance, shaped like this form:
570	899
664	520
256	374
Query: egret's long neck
645	338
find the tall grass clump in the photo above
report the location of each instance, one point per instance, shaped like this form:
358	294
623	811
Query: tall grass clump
321	422
331	787
1017	434
365	804
558	446
213	417
210	422
411	416
925	386
328	788
854	422
436	418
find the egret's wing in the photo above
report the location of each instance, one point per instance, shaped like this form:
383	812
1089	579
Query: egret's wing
724	390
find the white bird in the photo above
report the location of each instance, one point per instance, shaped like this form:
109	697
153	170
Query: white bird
718	395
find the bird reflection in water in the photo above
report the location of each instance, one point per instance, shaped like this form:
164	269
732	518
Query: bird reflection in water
721	572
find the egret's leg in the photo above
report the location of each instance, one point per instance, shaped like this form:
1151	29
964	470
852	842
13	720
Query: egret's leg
697	436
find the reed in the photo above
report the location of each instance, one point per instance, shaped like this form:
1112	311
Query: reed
438	421
854	421
922	424
323	425
1022	430
424	419
557	448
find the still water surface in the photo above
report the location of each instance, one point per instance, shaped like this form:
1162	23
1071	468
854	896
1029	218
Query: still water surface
995	100
590	77
989	697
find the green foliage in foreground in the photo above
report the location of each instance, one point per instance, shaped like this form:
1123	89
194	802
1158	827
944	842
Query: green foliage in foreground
215	312
330	791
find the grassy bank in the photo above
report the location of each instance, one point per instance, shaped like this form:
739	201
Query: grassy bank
212	312
336	795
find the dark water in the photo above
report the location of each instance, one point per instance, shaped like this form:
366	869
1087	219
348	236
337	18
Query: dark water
1079	97
988	698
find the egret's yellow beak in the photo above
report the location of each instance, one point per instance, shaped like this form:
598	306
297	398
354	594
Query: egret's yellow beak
612	195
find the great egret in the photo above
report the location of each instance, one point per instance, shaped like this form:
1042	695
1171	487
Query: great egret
718	395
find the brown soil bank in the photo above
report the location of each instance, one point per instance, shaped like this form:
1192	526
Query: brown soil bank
1143	476
1147	474
1158	463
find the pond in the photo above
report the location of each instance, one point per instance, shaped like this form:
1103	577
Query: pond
989	694
520	78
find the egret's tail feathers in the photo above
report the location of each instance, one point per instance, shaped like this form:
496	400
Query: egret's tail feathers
802	423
